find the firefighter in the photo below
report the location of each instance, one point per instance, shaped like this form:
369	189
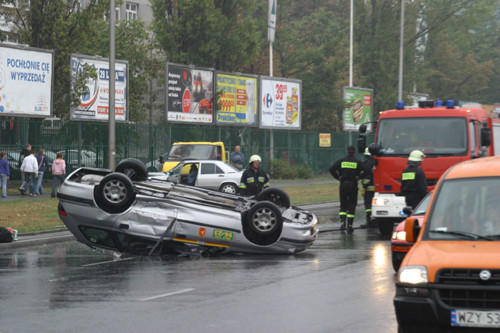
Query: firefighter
347	170
368	189
253	179
413	182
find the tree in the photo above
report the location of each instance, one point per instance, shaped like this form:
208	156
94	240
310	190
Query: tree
219	34
62	26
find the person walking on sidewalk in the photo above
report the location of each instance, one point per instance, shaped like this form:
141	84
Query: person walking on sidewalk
368	189
347	170
29	169
43	165
58	171
4	173
25	152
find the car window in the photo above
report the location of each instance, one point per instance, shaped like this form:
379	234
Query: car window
218	170
207	169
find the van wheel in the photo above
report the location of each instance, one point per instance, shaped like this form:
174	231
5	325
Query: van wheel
275	195
264	218
115	193
133	168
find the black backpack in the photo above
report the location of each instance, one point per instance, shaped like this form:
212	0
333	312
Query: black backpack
5	235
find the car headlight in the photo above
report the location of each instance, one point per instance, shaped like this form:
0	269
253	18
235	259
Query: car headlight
399	235
412	274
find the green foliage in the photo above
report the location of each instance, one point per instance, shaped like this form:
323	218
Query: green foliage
283	170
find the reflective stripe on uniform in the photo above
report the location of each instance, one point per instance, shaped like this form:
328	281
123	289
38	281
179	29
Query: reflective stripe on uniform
342	213
408	176
250	180
349	165
350	215
262	179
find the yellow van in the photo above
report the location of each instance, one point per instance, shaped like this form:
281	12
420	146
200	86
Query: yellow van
450	279
193	151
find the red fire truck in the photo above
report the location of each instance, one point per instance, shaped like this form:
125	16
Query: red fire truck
446	134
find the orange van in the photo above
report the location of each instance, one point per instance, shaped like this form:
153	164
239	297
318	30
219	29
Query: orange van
450	279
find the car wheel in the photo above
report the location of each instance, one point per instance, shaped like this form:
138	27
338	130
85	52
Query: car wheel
264	218
396	261
228	188
115	193
133	168
275	195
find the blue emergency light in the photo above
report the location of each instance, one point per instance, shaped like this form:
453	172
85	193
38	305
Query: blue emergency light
450	104
439	103
400	105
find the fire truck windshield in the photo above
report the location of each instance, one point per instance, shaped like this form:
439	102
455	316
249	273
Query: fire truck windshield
433	135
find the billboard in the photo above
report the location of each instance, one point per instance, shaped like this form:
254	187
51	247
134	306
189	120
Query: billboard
238	99
94	105
189	94
280	103
26	76
358	108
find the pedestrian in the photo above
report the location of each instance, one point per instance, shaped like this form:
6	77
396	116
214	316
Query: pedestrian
368	189
413	182
4	173
237	158
29	169
58	171
347	170
43	165
25	152
253	179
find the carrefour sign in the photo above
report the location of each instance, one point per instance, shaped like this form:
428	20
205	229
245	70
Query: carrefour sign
280	103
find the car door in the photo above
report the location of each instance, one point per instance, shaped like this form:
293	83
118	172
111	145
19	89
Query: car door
210	176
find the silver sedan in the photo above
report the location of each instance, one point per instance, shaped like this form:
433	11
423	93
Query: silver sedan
130	211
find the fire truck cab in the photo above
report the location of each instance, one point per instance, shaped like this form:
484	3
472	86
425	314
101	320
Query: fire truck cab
446	134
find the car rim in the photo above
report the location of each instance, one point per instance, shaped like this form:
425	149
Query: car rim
115	191
228	189
264	219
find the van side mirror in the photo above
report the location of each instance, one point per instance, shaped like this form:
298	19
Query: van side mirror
161	159
485	136
412	229
361	143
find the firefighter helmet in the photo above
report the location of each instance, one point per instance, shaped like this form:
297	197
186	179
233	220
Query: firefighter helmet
367	152
254	158
416	156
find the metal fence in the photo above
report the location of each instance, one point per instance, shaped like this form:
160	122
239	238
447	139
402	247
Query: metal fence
86	143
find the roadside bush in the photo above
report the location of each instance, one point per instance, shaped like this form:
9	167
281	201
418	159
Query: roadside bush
283	170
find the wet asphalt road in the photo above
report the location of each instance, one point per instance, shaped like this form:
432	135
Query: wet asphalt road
343	283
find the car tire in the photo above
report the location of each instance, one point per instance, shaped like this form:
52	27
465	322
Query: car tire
396	262
264	218
275	195
228	188
134	169
115	193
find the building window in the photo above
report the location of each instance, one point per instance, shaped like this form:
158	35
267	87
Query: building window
132	10
117	14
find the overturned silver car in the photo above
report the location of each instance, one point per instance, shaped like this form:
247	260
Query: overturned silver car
131	212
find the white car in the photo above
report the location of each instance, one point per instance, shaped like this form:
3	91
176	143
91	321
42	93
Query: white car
210	174
82	158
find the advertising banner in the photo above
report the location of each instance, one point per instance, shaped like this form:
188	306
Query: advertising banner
358	108
238	100
95	104
280	103
26	77
189	94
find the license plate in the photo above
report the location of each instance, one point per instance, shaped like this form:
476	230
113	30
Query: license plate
473	318
382	212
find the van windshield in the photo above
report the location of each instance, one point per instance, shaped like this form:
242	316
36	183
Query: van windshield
433	136
195	152
466	209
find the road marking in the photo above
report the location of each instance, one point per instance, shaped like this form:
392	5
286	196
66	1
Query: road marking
182	291
107	262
